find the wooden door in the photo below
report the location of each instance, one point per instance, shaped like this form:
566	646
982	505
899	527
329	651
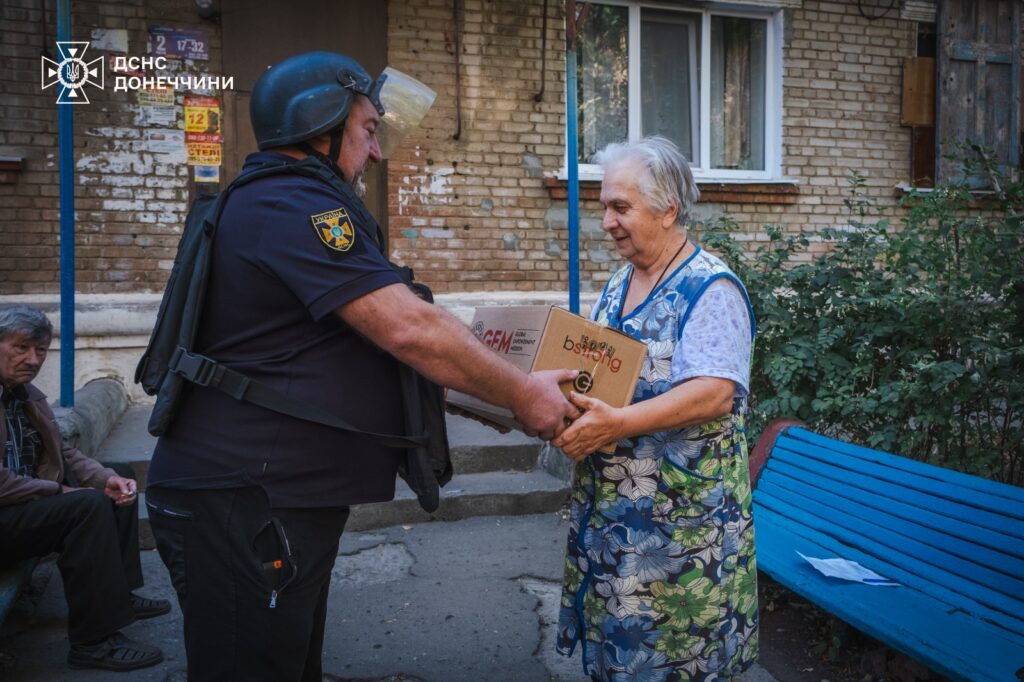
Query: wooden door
979	81
259	33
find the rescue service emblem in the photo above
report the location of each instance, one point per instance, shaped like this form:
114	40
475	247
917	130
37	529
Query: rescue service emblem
335	229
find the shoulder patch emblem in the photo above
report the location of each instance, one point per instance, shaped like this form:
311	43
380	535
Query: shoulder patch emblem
335	229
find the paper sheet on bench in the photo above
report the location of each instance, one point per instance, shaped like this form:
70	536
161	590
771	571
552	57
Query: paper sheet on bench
849	570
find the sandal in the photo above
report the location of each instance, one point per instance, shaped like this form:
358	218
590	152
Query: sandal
148	608
116	653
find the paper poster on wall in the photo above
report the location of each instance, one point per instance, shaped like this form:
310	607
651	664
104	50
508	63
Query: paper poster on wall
156	97
161	141
180	43
202	130
207	173
159	116
203	154
202	119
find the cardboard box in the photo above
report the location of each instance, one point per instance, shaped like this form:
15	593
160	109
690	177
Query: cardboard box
542	337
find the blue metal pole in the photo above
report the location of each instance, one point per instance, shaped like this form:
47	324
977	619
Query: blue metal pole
572	162
67	228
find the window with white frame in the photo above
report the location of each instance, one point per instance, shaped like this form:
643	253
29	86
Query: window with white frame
709	79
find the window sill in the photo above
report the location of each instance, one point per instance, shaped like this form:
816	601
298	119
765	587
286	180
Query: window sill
756	192
980	198
904	189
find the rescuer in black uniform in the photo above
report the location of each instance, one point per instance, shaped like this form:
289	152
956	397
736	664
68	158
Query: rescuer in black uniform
248	505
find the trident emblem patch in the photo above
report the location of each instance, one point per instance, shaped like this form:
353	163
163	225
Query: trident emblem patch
335	229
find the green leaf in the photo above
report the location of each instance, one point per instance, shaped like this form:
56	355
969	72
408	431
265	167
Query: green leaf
907	333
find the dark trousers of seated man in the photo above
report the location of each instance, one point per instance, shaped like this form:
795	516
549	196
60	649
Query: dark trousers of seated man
252	581
97	543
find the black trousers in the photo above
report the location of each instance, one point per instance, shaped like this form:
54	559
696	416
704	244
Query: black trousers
98	553
252	582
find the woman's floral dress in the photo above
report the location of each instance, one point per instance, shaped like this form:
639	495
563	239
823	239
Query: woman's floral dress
660	578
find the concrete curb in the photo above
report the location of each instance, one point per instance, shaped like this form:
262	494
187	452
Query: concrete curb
98	407
491	493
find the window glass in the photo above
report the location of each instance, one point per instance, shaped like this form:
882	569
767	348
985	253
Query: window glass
603	73
669	84
738	56
701	80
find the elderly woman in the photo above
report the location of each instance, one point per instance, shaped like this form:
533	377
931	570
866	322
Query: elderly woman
660	580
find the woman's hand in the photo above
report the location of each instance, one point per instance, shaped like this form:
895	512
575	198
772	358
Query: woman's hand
599	425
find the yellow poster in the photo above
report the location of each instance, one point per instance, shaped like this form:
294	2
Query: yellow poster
202	119
202	130
203	153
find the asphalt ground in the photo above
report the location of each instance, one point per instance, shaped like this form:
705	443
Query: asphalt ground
469	600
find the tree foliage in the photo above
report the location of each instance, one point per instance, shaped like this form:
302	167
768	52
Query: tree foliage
908	338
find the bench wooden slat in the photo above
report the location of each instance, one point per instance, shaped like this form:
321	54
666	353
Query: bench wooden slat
962	594
961	481
981	535
815	493
951	642
911	576
903	488
896	475
844	520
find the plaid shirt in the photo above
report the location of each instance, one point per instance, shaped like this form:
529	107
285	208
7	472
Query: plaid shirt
23	442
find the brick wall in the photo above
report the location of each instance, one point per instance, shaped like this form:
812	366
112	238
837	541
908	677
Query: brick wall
469	213
469	207
129	202
842	97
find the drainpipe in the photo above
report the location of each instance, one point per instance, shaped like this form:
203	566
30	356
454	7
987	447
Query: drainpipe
67	228
539	97
457	45
572	155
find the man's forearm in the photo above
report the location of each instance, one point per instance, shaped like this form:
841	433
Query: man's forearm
436	344
452	356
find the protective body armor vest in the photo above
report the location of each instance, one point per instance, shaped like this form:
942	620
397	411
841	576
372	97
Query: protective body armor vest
170	359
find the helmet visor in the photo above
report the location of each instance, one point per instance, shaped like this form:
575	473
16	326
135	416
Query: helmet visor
405	101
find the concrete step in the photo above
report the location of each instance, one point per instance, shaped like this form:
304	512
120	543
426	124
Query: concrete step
507	493
475	448
492	493
129	442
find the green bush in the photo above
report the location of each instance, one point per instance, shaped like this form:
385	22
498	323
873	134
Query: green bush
908	339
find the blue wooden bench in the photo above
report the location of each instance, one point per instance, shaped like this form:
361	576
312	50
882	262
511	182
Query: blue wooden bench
12	580
953	542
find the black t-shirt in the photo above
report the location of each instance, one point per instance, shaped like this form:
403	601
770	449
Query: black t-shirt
288	252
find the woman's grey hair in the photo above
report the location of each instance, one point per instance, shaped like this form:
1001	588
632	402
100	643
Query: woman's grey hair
22	319
666	180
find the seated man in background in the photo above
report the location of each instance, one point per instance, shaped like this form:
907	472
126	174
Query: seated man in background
53	498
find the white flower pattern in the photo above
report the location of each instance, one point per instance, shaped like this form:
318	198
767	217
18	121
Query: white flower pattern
635	477
619	595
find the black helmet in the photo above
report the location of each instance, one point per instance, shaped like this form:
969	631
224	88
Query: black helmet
308	95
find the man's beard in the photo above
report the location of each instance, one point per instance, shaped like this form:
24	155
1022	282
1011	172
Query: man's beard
359	185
